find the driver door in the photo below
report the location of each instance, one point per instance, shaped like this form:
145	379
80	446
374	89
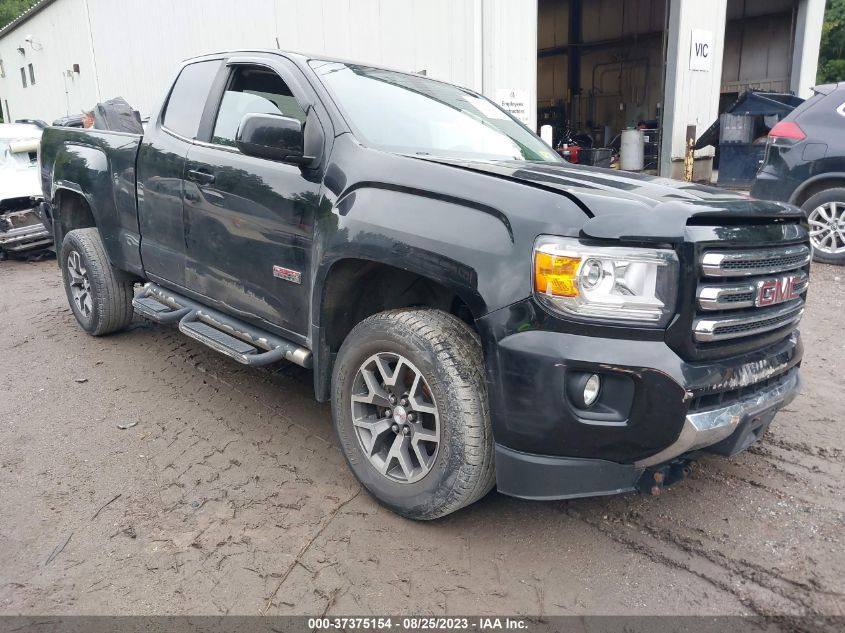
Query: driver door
249	221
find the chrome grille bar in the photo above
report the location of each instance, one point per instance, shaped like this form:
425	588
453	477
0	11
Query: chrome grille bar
722	328
754	262
740	295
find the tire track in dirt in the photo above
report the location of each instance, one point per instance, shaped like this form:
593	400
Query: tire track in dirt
761	591
235	489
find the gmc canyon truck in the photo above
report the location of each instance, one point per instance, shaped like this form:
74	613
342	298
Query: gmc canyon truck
478	312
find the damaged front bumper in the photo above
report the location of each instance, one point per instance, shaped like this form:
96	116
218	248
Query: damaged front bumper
731	429
23	230
724	430
654	407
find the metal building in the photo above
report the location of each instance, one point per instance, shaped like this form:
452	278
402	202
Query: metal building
82	51
597	65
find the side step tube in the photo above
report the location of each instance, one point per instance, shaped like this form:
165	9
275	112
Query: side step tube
225	334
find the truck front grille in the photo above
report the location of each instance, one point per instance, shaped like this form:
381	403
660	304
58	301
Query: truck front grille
754	262
749	292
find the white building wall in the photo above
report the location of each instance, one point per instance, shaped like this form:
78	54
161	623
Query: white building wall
808	36
692	96
510	50
59	40
137	45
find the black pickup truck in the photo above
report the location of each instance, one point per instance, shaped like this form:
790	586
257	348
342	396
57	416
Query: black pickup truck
478	311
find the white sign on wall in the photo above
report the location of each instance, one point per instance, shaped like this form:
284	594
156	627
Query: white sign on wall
515	102
701	50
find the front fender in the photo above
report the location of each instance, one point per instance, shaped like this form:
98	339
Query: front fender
464	246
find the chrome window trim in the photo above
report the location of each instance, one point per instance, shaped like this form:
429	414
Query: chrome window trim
194	141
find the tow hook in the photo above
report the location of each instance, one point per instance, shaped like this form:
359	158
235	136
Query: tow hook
656	478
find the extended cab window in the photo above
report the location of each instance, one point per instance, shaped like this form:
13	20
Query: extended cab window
252	89
187	99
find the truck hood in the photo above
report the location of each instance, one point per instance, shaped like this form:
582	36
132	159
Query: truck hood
623	205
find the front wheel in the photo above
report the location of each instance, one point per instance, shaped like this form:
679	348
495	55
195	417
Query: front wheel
99	295
826	216
409	403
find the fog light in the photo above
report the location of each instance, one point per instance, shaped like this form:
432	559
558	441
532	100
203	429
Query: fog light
592	388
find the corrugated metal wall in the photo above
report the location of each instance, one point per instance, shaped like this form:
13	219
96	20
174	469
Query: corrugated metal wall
136	45
758	45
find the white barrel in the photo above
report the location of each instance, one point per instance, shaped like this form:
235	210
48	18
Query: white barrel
631	154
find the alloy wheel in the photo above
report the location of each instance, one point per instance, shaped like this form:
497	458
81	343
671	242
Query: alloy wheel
80	285
827	228
395	417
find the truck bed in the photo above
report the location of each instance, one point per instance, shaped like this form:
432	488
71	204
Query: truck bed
93	172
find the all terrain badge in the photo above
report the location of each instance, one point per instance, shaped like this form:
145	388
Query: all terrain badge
294	276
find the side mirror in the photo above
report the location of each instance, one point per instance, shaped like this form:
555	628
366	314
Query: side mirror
272	136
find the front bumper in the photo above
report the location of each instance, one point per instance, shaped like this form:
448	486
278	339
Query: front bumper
23	230
747	418
724	431
670	407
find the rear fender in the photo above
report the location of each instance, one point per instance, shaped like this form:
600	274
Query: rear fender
102	173
837	179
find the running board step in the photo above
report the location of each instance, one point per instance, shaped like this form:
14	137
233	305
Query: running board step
227	335
204	333
155	310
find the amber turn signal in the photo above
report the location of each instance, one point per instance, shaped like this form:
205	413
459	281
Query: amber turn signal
556	275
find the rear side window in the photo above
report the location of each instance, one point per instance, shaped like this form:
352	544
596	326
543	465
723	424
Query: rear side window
187	99
251	90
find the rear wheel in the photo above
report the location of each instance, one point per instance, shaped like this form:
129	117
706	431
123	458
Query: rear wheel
409	403
826	216
100	296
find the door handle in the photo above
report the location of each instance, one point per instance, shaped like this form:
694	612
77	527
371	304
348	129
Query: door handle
201	177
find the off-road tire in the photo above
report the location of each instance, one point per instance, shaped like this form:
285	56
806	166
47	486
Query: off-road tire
111	290
448	354
836	194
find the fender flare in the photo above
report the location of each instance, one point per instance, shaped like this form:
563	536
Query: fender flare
831	175
96	162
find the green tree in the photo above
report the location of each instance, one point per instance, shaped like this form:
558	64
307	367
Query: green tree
10	9
832	52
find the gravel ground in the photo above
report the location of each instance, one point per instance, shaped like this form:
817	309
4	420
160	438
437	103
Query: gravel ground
230	496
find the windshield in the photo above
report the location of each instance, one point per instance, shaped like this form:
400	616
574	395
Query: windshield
410	114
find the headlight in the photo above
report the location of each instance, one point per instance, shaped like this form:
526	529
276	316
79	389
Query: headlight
606	283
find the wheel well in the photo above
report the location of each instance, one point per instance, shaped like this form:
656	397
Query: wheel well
356	289
73	212
817	187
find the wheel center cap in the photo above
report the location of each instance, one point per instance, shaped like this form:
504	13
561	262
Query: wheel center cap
400	416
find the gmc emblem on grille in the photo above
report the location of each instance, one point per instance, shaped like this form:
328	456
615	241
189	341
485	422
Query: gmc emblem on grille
773	291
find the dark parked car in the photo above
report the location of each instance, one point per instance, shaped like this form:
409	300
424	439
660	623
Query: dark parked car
478	311
805	165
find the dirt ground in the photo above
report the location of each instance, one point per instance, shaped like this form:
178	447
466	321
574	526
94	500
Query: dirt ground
231	496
